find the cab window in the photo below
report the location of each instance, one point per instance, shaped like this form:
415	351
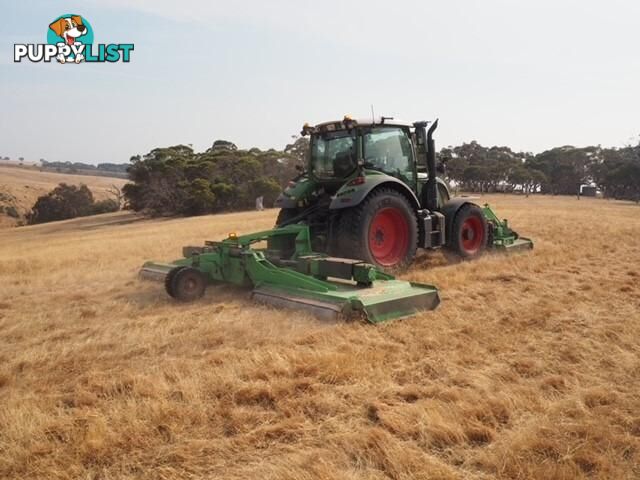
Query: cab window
333	154
388	149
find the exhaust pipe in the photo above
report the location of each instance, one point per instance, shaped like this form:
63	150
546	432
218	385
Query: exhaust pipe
432	188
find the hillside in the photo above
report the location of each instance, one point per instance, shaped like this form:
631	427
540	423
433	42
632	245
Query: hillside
530	368
21	186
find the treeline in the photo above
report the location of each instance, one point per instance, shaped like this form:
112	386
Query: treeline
110	169
177	180
559	171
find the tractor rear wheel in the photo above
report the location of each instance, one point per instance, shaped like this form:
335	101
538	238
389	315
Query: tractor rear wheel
469	232
382	230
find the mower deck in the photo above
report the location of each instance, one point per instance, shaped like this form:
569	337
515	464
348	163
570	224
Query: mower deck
289	274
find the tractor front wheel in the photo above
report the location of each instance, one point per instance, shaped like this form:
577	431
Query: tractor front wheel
469	232
382	230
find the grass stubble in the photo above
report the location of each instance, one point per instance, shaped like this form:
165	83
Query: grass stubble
530	368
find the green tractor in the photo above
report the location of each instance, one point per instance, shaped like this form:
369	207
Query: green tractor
371	192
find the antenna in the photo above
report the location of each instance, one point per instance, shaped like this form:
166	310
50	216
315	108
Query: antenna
373	117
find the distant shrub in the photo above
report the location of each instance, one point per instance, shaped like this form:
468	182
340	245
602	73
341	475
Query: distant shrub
12	211
105	206
68	201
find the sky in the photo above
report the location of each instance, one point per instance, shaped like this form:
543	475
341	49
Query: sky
528	74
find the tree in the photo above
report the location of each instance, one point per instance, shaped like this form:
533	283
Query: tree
68	201
117	194
63	202
176	180
616	172
482	169
566	168
528	179
267	188
199	197
155	180
223	146
299	149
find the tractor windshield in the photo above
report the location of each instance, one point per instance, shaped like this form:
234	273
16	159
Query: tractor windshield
333	154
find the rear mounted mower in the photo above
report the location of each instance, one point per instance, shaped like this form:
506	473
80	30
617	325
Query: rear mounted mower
287	273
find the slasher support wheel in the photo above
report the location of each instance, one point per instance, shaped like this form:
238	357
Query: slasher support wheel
188	284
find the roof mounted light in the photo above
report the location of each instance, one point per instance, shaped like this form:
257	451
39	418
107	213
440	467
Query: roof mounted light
307	130
349	122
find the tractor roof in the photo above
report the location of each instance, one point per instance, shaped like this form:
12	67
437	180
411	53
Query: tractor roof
348	122
370	121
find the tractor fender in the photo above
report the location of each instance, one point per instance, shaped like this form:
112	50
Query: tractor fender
285	202
351	195
450	209
298	189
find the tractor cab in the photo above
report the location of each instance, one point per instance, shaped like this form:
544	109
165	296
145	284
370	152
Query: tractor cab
342	151
348	148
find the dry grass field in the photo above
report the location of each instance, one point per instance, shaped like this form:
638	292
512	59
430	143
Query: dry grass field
25	184
530	368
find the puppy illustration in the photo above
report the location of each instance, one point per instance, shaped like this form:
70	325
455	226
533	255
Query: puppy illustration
70	29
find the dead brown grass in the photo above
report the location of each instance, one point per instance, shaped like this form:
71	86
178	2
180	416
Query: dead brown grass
529	369
26	184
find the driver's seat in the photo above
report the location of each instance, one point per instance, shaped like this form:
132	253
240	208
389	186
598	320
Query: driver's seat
343	164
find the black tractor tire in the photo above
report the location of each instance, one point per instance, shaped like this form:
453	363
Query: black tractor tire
382	230
286	214
188	284
469	232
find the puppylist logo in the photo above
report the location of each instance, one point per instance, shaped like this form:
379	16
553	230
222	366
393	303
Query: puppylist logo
70	40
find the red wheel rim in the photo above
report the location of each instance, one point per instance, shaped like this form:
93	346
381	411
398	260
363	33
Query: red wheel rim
389	237
472	235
